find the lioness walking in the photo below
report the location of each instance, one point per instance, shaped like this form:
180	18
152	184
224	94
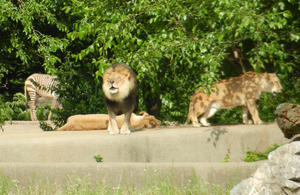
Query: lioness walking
242	91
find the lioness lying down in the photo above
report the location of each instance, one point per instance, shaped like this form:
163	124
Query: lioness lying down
100	121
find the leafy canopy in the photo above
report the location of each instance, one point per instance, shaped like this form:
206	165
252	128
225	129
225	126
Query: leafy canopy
174	46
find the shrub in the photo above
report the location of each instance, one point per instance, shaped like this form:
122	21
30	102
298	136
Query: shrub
5	112
257	156
98	158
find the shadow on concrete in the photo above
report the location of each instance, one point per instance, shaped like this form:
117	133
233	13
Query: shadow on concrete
215	134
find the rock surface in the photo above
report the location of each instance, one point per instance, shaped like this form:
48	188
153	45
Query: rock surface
288	119
279	175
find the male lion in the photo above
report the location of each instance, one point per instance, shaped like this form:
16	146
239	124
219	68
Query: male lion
242	91
120	92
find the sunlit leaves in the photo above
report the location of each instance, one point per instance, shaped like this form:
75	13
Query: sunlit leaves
27	27
181	45
174	46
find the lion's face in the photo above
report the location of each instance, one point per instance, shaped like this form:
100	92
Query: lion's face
118	83
271	83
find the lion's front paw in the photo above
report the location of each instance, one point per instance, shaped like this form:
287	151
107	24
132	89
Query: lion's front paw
204	123
113	132
197	125
113	129
248	122
125	132
258	122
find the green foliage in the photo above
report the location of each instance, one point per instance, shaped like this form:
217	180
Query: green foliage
256	156
267	106
42	112
15	110
226	158
32	37
98	158
80	92
45	126
174	51
12	110
174	46
18	107
228	116
5	111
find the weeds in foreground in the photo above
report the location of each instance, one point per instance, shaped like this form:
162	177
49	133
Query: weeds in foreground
226	158
154	185
252	156
45	126
98	158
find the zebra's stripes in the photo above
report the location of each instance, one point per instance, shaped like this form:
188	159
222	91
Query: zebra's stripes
39	89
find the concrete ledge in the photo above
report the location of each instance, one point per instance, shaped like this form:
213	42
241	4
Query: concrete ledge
22	123
29	154
128	173
28	144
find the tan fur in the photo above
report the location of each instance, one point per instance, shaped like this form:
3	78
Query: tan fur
121	82
237	91
100	121
120	92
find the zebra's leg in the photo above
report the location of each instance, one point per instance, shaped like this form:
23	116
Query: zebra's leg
32	105
53	105
50	114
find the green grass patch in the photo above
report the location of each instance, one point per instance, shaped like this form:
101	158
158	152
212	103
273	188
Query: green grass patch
226	158
98	158
252	156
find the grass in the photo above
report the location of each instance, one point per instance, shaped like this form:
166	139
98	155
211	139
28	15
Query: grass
154	186
98	158
252	156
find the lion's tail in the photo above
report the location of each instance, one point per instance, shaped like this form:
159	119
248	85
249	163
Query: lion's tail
187	120
191	110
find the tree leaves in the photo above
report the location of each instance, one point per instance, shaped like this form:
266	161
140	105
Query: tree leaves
174	46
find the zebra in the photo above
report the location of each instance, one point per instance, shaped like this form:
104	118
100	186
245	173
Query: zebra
39	89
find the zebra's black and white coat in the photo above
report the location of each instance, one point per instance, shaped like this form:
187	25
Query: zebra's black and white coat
39	89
